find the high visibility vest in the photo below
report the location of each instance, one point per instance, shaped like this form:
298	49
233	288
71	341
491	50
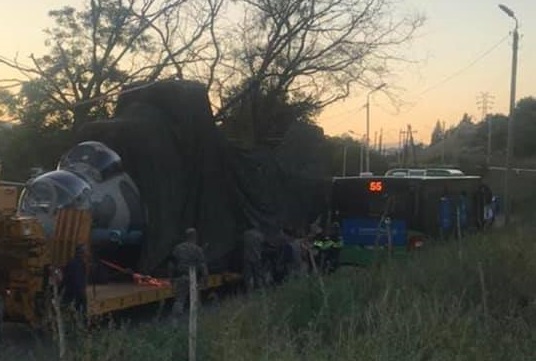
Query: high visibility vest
327	243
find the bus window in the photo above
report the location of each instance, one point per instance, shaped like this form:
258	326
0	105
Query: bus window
417	173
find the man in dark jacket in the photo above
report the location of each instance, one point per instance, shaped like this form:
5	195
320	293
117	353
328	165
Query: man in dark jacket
253	262
75	280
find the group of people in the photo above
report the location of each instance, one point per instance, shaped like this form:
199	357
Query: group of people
267	259
290	253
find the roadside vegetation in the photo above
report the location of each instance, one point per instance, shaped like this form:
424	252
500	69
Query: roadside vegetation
451	301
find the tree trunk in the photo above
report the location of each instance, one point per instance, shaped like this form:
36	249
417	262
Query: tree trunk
80	116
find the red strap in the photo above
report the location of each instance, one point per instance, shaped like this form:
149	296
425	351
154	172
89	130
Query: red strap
138	278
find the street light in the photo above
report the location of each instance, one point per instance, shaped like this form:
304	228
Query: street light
367	142
509	141
361	154
345	153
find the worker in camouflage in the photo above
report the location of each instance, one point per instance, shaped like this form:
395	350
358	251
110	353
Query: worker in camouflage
253	262
185	255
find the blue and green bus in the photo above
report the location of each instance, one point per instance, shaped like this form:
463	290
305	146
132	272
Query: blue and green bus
377	213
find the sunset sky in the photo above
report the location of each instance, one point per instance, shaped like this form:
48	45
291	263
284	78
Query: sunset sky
450	73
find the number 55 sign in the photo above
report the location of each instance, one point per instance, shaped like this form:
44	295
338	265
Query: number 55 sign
376	186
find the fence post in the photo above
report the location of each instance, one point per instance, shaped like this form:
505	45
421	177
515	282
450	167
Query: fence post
192	332
1	316
389	238
56	304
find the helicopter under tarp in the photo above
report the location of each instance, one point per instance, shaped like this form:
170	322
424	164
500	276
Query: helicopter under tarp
185	173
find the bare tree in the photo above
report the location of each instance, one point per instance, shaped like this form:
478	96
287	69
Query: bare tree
317	48
95	51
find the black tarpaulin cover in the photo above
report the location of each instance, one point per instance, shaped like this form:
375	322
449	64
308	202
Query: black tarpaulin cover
189	175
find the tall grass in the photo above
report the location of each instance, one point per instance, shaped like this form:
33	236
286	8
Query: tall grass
476	302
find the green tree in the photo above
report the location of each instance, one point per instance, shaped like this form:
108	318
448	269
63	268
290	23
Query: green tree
499	125
437	133
525	127
335	148
95	51
264	117
25	146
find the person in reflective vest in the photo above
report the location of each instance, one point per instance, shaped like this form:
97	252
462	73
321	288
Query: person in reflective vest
328	249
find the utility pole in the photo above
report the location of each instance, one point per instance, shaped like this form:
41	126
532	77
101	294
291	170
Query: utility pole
485	102
368	122
403	147
400	147
407	146
444	137
375	141
411	145
380	144
509	143
361	155
345	152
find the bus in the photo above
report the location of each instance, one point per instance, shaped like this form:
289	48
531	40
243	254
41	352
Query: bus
382	213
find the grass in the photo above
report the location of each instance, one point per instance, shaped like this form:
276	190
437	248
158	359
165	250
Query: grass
476	302
444	303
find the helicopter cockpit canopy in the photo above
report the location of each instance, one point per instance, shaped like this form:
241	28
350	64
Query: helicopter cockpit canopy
92	160
51	191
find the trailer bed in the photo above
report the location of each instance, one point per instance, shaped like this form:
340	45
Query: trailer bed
103	299
107	298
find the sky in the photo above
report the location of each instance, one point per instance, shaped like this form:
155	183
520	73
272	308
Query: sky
462	50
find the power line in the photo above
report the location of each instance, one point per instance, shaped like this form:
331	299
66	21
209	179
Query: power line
356	110
468	66
444	81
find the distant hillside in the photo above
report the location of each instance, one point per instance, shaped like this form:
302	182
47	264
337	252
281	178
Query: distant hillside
467	142
457	147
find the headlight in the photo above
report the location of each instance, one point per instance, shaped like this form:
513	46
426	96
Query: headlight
26	230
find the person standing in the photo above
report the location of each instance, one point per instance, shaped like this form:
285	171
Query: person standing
328	247
299	255
1	313
253	262
75	281
185	255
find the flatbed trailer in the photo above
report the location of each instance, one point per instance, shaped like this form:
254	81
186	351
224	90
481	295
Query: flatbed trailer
112	297
29	260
